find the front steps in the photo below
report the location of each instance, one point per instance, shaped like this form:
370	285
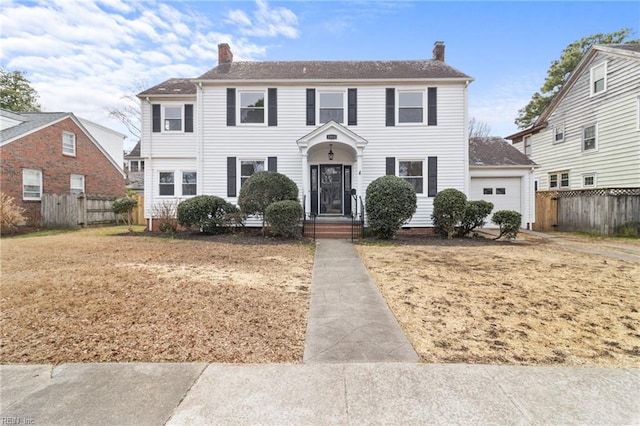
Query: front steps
341	229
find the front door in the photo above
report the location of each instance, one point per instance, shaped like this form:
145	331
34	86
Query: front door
331	190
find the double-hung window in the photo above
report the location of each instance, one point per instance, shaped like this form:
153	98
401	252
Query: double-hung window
410	107
558	133
252	107
527	145
559	180
412	172
76	184
69	143
189	183
31	184
589	138
331	107
173	118
598	77
166	183
248	168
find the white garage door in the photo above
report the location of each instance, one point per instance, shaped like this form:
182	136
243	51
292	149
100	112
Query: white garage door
503	192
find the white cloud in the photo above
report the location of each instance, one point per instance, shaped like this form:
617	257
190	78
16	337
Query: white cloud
83	56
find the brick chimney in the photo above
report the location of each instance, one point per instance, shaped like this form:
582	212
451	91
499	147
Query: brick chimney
438	51
224	54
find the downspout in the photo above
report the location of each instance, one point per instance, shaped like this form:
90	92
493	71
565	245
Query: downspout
199	139
149	167
466	138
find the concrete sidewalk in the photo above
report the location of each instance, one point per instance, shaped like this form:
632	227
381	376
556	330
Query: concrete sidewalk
332	394
349	320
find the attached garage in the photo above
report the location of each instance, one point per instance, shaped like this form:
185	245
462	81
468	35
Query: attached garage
502	175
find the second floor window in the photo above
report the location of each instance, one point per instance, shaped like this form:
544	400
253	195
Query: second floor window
410	107
558	133
331	107
589	138
599	78
69	143
173	118
527	145
252	107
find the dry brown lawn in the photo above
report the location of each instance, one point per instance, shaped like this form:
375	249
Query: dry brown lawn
528	303
89	297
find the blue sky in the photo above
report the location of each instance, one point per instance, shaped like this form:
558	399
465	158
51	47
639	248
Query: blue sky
83	56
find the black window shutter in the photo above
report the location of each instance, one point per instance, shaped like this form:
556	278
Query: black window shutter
272	164
273	107
391	166
188	118
432	176
432	106
391	107
231	176
352	102
157	126
231	107
311	107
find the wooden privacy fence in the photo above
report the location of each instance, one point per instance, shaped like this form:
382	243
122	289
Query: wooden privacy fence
600	211
71	210
138	212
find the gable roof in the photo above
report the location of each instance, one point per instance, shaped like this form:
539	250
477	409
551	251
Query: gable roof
494	151
135	152
630	51
30	121
333	70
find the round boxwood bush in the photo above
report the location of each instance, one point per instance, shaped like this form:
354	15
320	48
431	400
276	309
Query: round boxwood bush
284	218
205	212
391	202
264	188
474	216
448	211
509	222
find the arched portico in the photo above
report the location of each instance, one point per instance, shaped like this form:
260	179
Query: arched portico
331	168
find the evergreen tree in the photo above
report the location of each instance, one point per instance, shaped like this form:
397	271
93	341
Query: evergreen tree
16	93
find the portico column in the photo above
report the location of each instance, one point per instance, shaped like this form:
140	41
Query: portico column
305	181
359	174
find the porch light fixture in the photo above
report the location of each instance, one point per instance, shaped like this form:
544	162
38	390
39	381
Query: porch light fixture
330	151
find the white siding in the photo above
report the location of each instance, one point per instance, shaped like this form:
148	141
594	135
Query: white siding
151	187
447	140
167	144
616	161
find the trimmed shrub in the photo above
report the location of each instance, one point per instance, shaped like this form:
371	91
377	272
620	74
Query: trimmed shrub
124	206
11	215
449	206
509	222
208	213
475	213
391	202
264	188
284	218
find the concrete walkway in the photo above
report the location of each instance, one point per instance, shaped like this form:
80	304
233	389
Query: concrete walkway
349	320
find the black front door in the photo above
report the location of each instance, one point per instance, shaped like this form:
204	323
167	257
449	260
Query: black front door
331	190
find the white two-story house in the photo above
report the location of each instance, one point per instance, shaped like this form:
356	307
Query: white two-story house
589	136
331	126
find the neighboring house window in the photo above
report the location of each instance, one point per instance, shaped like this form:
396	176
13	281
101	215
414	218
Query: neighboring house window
252	107
589	180
133	166
411	107
558	133
166	184
412	172
173	118
599	78
189	183
527	145
248	168
31	184
331	107
69	143
559	180
141	165
589	138
76	184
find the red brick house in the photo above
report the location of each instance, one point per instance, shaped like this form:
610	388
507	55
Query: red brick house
52	153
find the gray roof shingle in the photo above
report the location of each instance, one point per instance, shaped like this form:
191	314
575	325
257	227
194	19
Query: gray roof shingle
135	152
495	151
173	86
633	47
30	121
332	70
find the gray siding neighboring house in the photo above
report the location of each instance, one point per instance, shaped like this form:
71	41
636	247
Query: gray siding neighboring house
589	137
